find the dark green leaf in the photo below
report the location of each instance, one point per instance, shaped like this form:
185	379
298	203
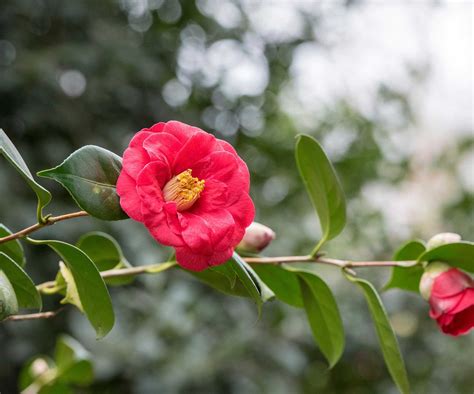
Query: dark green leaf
8	150
407	278
106	254
458	254
257	289
12	249
73	362
282	282
323	187
322	312
237	278
8	300
25	290
90	176
91	288
219	280
387	339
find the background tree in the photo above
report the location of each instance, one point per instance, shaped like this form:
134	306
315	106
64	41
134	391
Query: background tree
388	101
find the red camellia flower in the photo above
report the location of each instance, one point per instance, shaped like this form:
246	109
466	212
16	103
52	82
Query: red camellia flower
190	189
450	293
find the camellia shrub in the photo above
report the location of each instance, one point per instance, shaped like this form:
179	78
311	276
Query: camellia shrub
191	191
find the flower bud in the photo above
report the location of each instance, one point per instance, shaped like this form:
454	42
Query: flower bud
39	367
427	279
442	239
257	237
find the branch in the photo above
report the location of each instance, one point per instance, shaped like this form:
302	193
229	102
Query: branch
328	260
48	222
50	287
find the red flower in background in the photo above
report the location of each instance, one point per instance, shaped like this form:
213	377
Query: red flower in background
450	293
189	189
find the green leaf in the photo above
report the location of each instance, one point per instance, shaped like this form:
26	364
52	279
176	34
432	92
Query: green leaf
36	370
323	187
106	254
8	300
13	248
91	288
219	280
8	150
282	282
73	362
237	278
25	290
407	278
323	314
90	176
458	254
387	339
256	288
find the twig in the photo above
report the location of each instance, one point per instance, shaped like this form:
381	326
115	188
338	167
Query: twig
34	316
48	222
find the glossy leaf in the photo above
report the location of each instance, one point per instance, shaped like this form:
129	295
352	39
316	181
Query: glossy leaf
90	176
323	187
25	290
322	312
8	150
387	339
12	249
91	288
8	300
106	254
458	254
407	278
282	282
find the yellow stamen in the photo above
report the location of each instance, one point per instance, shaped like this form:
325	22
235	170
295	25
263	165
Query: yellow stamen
183	189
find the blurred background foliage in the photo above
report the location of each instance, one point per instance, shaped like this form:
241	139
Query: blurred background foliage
385	86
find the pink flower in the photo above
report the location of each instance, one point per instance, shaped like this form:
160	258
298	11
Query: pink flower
189	189
451	297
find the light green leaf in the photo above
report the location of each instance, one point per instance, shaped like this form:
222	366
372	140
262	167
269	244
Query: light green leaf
458	254
91	288
73	362
36	372
8	300
12	249
106	254
407	278
90	176
8	150
71	295
387	339
25	290
282	282
323	187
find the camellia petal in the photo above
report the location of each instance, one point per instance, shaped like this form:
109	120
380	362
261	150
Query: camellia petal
451	299
189	189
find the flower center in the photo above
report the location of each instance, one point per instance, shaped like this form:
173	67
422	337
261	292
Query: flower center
183	189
